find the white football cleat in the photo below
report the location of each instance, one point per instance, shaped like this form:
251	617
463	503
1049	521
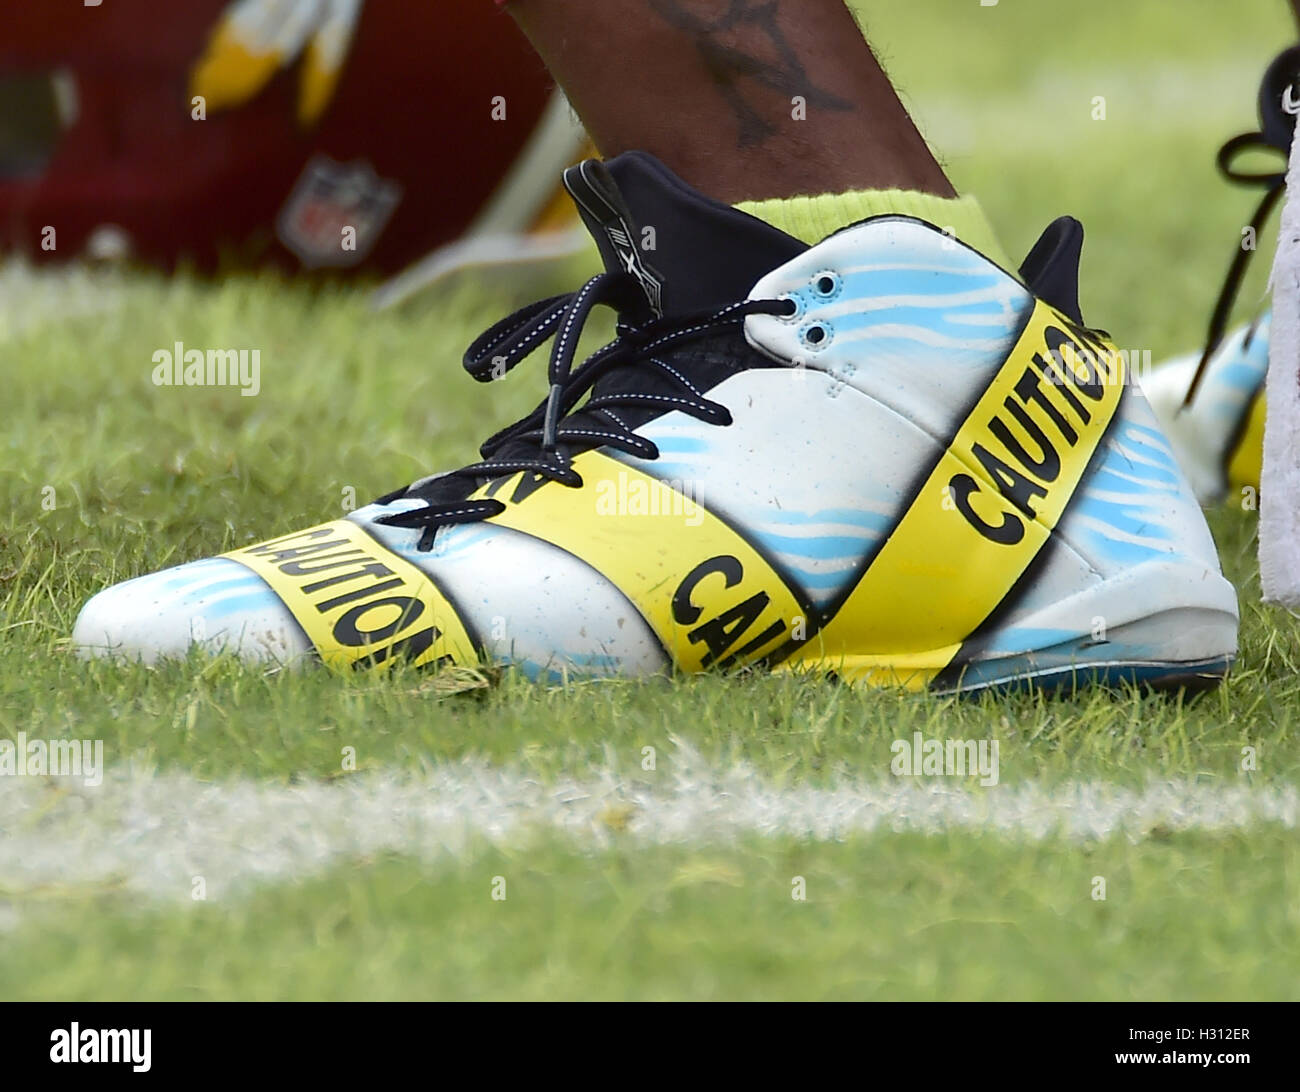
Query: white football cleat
881	457
1219	436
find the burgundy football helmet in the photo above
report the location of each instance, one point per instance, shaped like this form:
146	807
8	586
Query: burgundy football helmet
309	133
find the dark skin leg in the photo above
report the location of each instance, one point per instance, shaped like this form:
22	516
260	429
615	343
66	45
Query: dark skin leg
716	89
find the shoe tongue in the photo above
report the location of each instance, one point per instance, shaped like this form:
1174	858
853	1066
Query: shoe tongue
698	255
689	252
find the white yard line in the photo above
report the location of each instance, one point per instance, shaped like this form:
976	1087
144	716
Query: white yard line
152	834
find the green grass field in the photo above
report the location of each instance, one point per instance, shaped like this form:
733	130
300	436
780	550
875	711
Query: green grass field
106	476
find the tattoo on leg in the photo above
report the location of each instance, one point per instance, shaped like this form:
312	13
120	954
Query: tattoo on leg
731	65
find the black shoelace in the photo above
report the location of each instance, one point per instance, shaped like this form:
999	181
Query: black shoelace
544	441
1277	128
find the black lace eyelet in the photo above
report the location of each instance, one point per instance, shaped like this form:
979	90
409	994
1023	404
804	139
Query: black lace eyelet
815	334
826	284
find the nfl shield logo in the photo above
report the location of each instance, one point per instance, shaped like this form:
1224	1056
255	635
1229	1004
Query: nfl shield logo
336	212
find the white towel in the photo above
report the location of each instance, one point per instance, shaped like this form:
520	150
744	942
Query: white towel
1279	494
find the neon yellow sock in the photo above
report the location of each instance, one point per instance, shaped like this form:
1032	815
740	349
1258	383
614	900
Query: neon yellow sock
813	218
